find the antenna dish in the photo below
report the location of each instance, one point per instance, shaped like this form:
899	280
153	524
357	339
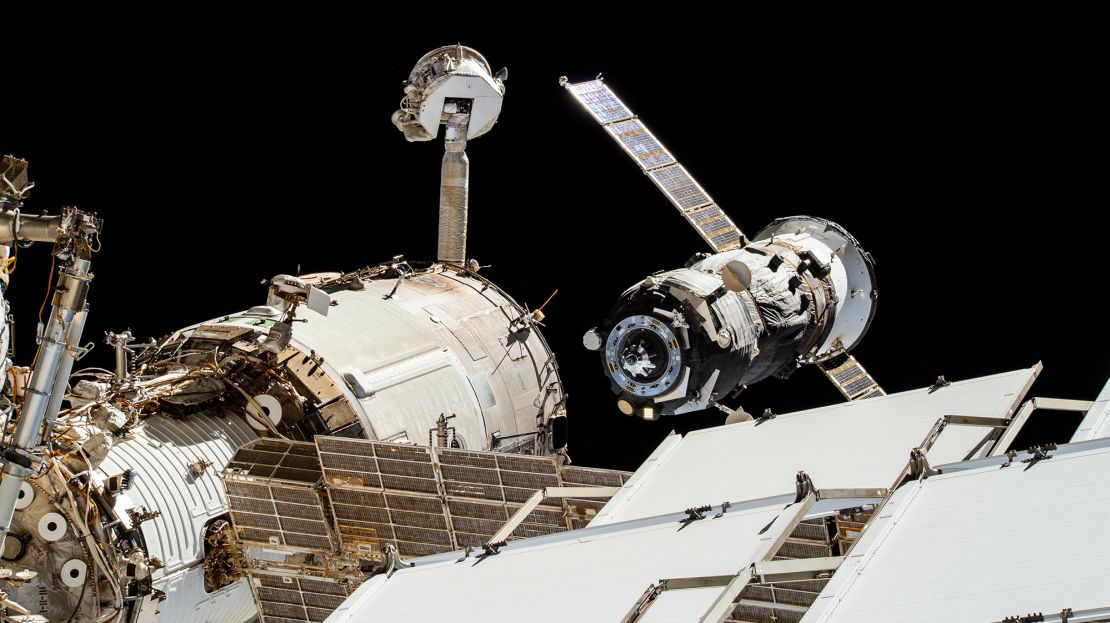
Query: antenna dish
737	276
270	410
592	340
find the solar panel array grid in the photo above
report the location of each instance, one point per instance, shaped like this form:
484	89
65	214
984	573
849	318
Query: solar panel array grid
422	500
574	475
660	165
503	477
284	599
271	492
581	512
399	511
600	101
277	514
470	474
425	501
850	377
679	187
539	522
714	226
265	459
640	143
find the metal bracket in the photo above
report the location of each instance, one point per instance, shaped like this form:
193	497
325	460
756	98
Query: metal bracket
141	514
1033	617
975	420
695	513
17	456
792	570
1067	615
1022	416
655	590
919	465
724	509
1039	453
491	548
803	486
537	498
939	383
393	560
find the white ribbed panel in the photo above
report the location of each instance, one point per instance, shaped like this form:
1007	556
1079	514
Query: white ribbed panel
160	452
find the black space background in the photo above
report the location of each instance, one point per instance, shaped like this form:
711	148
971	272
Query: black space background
960	149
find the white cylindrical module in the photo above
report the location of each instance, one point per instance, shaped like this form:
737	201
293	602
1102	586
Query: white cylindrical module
178	502
685	338
402	347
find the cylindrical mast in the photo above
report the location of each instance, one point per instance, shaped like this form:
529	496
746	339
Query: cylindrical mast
454	87
454	191
69	299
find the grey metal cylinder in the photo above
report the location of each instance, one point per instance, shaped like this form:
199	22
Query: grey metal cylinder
69	297
61	380
121	364
28	227
453	201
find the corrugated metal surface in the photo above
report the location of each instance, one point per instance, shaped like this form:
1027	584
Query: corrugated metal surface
160	452
982	545
231	604
591	576
862	444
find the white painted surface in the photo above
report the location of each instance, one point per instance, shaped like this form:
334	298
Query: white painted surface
160	451
858	444
586	576
437	346
981	545
681	606
1096	423
186	601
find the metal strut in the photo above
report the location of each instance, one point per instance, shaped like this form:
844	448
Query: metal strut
73	234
